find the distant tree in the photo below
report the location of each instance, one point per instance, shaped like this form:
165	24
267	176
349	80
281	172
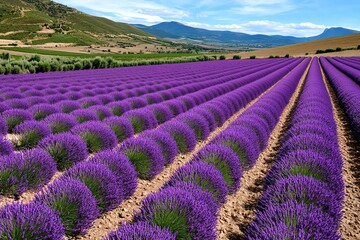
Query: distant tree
358	47
287	56
252	57
271	56
236	57
222	57
338	49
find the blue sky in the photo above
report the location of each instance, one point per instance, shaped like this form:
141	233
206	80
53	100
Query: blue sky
284	17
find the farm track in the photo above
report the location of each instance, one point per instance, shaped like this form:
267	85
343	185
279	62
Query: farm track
350	151
111	220
239	209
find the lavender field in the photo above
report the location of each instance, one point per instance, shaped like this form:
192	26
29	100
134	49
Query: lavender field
235	149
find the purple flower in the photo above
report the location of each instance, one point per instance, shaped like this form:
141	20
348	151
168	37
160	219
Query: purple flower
145	155
238	140
202	196
30	221
74	95
141	120
56	98
85	115
30	133
6	148
188	101
89	101
17	103
166	143
120	126
101	182
225	160
119	108
96	135
105	98
101	111
73	202
61	122
41	111
183	135
197	123
11	95
176	106
35	100
162	112
153	98
25	170
4	107
121	167
117	96
205	175
14	117
137	102
302	189
67	106
307	163
217	112
178	211
209	117
301	220
140	231
33	93
66	149
3	127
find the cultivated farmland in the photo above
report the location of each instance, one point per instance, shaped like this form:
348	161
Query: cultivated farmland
234	149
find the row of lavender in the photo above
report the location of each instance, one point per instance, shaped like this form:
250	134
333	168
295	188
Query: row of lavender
304	189
107	189
187	205
345	82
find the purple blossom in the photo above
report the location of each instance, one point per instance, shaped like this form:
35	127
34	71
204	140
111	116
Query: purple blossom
209	117
73	202
74	95
98	136
89	101
41	111
117	96
30	133
3	127
217	112
162	112
183	135
105	98
197	123
14	117
101	182
153	98
300	220
66	149
140	231
137	102
141	120
6	148
85	115
176	106
67	106
119	108
120	126
33	93
30	221
11	95
178	211
101	111
55	98
145	155
60	122
121	167
35	100
17	103
25	170
166	143
4	107
205	175
225	160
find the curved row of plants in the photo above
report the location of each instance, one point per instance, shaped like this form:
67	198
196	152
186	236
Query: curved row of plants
105	179
187	205
304	189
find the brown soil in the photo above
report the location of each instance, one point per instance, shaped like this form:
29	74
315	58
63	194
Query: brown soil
300	49
239	209
110	221
350	150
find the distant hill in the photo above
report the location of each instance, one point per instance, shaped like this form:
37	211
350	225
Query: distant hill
309	48
44	21
175	30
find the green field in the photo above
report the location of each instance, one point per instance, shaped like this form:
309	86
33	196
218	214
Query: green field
124	57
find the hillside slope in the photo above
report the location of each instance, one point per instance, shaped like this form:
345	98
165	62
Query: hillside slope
349	41
44	21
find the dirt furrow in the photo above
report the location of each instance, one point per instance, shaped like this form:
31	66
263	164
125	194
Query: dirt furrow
110	221
350	151
239	209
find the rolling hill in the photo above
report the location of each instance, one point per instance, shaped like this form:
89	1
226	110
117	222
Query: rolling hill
175	30
44	21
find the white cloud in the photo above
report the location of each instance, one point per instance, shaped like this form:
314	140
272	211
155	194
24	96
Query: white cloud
305	29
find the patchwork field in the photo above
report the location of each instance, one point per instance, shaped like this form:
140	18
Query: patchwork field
234	149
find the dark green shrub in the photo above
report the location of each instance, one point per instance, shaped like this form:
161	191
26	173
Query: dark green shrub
319	51
222	57
338	49
271	56
252	57
358	47
86	64
236	57
96	62
78	66
287	56
35	58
